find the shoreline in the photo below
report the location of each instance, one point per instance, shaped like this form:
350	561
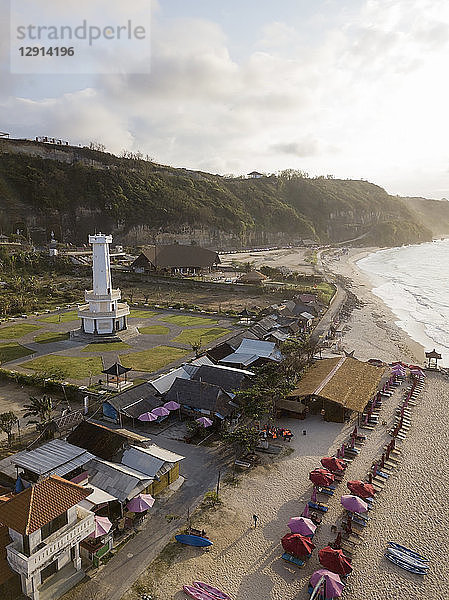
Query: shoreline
372	327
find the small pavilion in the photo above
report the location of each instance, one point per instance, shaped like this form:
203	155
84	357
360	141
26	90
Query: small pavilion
432	359
116	378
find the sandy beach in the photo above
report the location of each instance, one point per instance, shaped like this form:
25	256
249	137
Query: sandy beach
411	509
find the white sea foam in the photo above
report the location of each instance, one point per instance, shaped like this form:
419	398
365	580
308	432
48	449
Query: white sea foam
414	282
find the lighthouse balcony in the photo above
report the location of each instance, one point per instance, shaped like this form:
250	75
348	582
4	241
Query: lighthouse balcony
90	295
122	310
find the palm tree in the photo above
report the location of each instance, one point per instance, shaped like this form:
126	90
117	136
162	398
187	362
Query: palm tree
39	407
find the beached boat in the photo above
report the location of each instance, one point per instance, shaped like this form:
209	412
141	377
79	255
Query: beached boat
213	591
405	565
409	552
408	559
197	593
193	540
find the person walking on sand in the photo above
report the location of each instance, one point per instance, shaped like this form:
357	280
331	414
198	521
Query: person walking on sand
255	519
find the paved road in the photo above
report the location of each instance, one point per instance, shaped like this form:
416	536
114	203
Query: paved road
118	575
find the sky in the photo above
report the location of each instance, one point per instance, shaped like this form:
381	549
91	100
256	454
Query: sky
353	88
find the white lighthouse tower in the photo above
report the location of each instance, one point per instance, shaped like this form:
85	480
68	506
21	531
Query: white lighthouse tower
104	314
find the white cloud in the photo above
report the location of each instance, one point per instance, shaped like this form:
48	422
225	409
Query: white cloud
365	98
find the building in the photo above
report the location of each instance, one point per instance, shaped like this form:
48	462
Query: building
252	353
198	398
99	440
131	403
56	457
335	387
46	525
104	314
175	258
159	464
120	481
255	175
253	277
228	379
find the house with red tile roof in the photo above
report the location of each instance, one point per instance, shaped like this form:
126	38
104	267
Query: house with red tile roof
46	525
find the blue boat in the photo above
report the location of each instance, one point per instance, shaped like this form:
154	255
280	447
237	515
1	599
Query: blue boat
193	540
410	553
405	565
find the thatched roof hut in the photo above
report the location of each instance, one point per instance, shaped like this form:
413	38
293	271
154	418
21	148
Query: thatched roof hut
254	277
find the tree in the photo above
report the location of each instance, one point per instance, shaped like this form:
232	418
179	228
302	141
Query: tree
7	421
41	408
244	438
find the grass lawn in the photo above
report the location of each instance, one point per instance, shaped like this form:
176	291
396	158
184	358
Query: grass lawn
64	317
141	314
154	330
187	321
12	351
50	337
203	334
16	331
73	367
106	347
152	360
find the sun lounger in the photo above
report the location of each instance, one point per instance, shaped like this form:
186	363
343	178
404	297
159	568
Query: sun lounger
293	559
326	491
318	506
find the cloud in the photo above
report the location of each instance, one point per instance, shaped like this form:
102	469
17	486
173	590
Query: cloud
363	97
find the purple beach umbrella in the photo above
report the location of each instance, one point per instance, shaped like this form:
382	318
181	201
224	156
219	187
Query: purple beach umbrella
172	405
160	411
313	496
353	503
148	417
306	512
204	421
334	585
102	527
302	525
140	503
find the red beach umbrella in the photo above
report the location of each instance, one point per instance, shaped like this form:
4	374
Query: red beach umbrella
337	543
297	544
321	477
335	561
331	463
361	489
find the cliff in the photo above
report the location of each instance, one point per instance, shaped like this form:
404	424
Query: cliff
73	191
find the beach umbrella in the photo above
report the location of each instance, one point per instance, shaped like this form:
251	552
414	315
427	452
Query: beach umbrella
374	471
370	478
172	405
321	477
297	544
334	585
335	561
365	420
306	512
361	489
148	417
140	503
102	527
204	421
353	503
333	464
301	525
382	461
160	411
313	496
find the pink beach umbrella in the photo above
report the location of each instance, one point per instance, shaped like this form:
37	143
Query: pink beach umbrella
334	585
172	405
302	525
313	496
306	512
204	421
148	417
140	503
160	411
102	527
353	503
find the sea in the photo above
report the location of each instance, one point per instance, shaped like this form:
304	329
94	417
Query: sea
414	282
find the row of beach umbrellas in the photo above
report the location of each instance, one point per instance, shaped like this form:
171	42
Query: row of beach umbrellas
164	411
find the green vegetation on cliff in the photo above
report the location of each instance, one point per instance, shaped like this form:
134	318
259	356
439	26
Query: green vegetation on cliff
122	195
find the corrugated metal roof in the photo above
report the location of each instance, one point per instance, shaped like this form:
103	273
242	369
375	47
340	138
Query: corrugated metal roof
118	480
163	383
239	358
57	457
201	360
258	347
162	453
150	465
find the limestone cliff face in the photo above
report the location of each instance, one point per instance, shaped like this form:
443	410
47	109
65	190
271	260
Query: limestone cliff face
74	191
